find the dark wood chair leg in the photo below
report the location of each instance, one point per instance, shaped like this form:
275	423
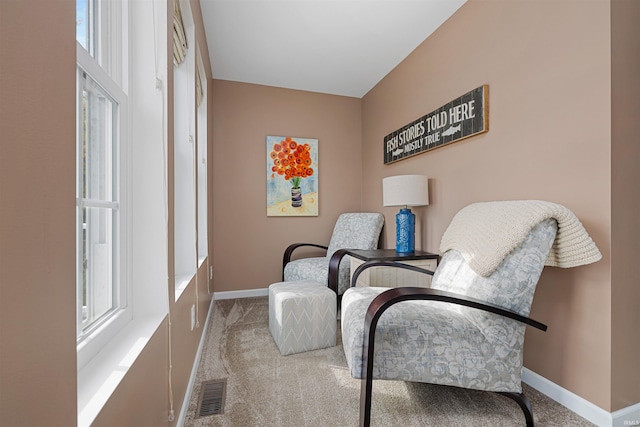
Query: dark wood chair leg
524	403
366	389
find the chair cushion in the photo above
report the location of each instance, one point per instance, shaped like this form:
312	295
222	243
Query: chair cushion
356	231
433	342
512	284
317	269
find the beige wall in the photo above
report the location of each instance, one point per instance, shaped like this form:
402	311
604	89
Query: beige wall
625	149
548	66
37	214
248	245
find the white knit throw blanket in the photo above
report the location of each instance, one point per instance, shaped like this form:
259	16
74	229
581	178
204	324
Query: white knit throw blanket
484	233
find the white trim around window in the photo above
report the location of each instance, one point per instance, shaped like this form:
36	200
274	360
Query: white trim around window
107	352
92	339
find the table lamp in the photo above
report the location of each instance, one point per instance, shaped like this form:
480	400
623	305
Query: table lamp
405	190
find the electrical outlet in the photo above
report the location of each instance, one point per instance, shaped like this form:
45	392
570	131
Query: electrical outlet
193	316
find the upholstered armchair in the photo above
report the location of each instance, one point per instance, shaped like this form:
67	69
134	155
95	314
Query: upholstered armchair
351	231
468	329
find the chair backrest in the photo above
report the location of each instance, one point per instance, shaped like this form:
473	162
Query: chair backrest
512	284
356	231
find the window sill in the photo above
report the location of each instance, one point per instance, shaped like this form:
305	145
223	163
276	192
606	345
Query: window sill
201	260
182	282
99	378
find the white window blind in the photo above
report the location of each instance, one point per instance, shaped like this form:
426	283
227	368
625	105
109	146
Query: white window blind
179	37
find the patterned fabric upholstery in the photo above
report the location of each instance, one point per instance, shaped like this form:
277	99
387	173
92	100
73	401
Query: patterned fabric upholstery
302	316
352	231
317	269
440	343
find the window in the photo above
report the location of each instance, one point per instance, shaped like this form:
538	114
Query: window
84	24
97	202
201	102
185	155
101	178
122	289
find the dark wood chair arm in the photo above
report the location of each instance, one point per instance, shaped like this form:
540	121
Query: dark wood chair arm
289	251
334	271
395	295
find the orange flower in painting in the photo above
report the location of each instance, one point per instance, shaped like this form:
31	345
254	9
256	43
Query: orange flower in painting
291	160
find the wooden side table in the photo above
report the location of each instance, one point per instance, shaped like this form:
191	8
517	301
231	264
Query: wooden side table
389	276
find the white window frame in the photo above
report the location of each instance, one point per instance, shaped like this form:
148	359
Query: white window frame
202	167
185	161
105	69
105	357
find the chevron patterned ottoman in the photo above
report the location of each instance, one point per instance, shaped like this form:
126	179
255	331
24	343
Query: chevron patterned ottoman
302	316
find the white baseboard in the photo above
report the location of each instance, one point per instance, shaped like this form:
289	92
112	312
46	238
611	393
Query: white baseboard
248	293
629	416
194	369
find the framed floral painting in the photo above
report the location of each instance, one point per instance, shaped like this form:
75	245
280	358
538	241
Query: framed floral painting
292	176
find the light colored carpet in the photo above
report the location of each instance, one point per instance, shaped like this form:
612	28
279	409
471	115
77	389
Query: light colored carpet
315	388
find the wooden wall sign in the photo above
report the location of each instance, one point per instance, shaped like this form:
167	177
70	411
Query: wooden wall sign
461	118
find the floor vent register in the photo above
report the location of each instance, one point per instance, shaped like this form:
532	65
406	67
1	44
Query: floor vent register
212	395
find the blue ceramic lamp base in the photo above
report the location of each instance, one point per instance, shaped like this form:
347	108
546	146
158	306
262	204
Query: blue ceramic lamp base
405	231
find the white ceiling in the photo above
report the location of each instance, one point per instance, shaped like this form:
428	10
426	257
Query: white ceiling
340	47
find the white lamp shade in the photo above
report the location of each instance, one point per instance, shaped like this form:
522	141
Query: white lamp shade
405	190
